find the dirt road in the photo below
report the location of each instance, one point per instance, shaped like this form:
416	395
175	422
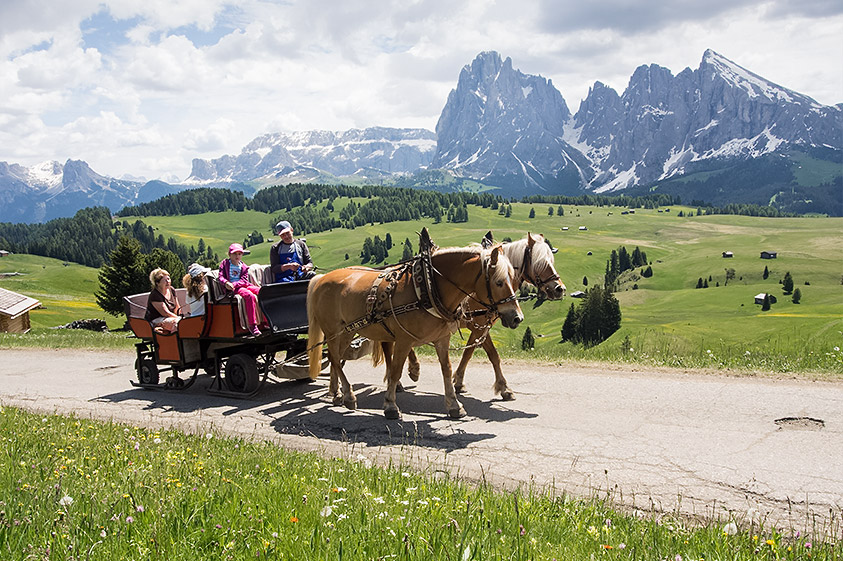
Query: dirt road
704	445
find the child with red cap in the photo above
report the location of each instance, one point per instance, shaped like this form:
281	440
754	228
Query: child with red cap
234	276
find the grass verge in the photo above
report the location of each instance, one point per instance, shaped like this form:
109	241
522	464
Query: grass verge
80	489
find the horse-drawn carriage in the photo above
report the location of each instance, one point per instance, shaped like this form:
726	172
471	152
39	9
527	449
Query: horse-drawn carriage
219	341
420	301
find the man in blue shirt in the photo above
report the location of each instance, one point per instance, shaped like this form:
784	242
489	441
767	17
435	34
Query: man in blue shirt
289	259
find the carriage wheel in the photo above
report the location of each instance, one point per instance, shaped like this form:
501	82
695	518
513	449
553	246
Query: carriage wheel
147	371
241	373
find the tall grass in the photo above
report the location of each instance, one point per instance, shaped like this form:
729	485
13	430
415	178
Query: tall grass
77	489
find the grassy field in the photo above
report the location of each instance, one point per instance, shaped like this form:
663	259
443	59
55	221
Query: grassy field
666	320
74	489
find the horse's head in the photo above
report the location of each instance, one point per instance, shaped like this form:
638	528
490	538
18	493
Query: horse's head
538	268
498	284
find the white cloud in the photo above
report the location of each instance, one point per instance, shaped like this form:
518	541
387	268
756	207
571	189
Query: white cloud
163	83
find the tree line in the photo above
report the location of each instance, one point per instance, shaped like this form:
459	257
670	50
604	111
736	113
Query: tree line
89	237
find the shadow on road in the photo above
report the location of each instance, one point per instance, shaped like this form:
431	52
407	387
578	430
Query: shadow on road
303	409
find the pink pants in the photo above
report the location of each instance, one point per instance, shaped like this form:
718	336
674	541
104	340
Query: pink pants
249	293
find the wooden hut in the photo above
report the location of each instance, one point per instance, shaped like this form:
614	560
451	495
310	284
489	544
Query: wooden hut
14	311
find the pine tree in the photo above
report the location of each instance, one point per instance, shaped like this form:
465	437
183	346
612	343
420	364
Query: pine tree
766	273
797	296
126	275
560	211
585	281
528	342
508	211
569	326
787	283
766	305
532	212
550	211
699	283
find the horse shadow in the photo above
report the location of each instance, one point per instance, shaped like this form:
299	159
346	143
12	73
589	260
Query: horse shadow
303	408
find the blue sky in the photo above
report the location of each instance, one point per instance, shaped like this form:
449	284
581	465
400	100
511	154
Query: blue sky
142	88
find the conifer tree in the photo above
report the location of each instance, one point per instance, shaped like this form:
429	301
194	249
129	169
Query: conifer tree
797	296
124	276
528	342
787	283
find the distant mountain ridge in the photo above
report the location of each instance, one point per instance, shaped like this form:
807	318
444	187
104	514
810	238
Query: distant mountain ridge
378	151
691	134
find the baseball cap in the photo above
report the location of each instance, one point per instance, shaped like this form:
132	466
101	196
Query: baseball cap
282	227
235	247
196	269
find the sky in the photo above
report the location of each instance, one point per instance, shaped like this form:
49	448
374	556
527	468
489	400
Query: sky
139	89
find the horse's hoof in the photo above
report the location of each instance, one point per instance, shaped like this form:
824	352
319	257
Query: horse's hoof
507	395
414	374
392	414
350	403
456	413
399	387
459	389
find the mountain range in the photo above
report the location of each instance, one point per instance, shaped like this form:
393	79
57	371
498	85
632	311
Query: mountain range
719	134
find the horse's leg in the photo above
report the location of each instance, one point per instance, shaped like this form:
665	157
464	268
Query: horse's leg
336	349
501	387
388	347
393	376
452	404
459	375
413	367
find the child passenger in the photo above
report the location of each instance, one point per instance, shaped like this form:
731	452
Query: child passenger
194	282
234	277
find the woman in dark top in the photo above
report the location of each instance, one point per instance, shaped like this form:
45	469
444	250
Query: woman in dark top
162	308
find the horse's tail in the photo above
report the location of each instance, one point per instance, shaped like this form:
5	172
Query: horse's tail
377	352
314	333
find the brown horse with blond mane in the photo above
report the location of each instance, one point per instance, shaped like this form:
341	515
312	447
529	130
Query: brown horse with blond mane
385	306
532	259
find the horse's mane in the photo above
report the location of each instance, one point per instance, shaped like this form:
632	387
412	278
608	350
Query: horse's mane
515	251
503	271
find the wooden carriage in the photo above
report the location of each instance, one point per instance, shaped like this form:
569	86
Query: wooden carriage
219	342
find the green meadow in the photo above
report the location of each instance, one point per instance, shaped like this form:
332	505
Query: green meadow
667	321
76	489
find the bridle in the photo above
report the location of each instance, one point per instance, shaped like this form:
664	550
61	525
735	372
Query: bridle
486	269
527	267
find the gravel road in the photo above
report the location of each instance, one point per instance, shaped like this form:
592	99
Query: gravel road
704	445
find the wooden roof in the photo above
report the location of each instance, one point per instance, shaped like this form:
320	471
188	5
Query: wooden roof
13	304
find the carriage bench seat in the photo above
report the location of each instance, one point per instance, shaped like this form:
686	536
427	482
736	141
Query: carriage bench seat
259	275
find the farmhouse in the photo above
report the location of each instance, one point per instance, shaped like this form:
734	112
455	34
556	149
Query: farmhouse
14	311
728	254
759	298
3	253
768	255
578	294
583	228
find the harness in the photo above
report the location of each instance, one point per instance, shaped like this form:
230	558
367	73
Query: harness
422	273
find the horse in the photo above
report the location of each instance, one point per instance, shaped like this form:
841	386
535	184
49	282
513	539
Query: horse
343	303
532	258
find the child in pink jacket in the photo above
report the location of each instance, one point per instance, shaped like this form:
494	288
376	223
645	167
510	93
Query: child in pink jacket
234	276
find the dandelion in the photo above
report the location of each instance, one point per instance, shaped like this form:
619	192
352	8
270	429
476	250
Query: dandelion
730	529
209	436
66	500
326	511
